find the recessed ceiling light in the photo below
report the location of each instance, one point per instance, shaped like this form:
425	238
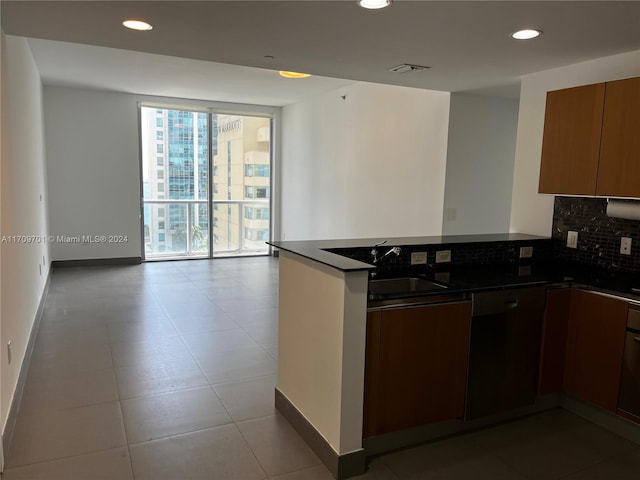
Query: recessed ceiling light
374	4
526	34
285	74
137	25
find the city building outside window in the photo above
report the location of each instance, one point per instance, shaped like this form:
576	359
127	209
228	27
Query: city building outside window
262	170
262	213
231	148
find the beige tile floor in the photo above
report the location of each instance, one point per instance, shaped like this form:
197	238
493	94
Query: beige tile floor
167	370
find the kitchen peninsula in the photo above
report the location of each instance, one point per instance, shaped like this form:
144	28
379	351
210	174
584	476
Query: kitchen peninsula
323	322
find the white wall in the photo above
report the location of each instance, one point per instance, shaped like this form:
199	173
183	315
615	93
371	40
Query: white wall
480	161
321	346
93	159
530	212
369	165
2	416
24	208
93	171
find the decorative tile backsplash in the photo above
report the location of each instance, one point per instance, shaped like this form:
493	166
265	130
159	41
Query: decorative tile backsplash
462	254
598	235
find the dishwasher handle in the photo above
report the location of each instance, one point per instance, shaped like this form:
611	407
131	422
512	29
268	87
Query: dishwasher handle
494	303
510	304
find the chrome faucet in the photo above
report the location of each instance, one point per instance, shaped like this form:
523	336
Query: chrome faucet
395	250
374	251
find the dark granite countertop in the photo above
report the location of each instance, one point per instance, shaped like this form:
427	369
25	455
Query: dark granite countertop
317	250
472	278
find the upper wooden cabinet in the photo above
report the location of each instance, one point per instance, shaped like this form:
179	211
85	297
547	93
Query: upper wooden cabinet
619	171
591	144
571	140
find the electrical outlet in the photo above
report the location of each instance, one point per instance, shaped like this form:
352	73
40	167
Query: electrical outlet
524	270
443	256
625	246
442	277
572	239
418	258
526	252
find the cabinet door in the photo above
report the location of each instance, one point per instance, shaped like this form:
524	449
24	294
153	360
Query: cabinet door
597	347
571	140
371	375
422	366
554	340
619	169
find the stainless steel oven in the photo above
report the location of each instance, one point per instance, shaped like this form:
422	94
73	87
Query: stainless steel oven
629	395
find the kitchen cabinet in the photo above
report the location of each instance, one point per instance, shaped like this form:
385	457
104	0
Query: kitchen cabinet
554	340
571	140
416	366
619	167
590	144
595	346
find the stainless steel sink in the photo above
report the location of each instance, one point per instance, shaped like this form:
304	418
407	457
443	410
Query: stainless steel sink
393	286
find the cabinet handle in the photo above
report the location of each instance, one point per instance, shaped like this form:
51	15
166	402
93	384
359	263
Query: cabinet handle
636	339
510	304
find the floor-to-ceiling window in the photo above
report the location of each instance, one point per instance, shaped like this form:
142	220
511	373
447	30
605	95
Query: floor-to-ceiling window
206	183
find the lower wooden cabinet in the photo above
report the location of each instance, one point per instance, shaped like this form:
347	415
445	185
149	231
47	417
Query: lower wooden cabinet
554	341
595	347
416	366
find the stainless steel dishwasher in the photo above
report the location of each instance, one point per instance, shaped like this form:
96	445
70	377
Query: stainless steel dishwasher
629	395
506	329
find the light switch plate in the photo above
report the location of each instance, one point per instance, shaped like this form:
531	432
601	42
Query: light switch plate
572	239
418	258
443	256
526	252
625	246
451	214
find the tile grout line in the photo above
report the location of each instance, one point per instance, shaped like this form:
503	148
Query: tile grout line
235	424
124	425
92	452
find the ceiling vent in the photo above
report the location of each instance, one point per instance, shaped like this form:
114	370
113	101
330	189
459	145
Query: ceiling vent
407	67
